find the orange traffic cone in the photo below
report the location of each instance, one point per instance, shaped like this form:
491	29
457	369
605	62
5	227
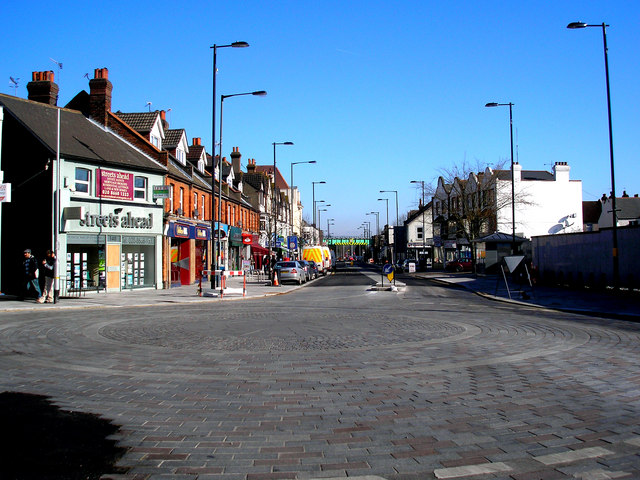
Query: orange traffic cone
275	279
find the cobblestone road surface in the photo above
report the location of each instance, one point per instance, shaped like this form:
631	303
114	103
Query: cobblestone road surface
335	380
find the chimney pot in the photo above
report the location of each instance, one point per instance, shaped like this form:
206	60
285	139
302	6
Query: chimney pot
100	95
42	88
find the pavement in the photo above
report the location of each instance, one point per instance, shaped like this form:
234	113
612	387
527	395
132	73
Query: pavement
622	305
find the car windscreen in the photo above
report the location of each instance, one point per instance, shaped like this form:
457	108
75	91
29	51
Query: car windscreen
286	264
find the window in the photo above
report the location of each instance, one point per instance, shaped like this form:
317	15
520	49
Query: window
140	187
195	205
170	198
419	233
155	141
181	156
83	181
181	204
202	208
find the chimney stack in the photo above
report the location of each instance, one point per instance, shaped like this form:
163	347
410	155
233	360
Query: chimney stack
163	119
42	89
196	141
100	95
235	160
251	165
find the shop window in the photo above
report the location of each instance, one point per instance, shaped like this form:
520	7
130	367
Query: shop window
83	181
140	187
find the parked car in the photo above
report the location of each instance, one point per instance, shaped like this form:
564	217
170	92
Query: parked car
459	265
307	270
291	271
313	268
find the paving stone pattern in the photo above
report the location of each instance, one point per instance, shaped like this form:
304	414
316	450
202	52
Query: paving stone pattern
423	383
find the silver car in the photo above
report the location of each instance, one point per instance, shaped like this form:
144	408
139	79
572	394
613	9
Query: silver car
291	271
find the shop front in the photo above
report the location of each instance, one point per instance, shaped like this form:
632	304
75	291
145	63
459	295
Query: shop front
188	251
111	252
236	249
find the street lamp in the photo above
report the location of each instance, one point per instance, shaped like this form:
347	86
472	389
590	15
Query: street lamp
387	200
424	248
275	197
396	192
513	187
213	153
258	93
377	214
616	265
313	189
322	210
330	221
291	188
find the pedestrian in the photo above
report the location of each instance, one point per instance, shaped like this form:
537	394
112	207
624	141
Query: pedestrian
48	265
30	274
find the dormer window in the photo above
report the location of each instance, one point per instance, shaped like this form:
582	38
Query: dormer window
155	141
182	158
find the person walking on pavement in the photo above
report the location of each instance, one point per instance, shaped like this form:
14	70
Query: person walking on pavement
48	265
30	274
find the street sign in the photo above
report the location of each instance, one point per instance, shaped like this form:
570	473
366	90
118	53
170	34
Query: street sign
387	268
161	191
5	192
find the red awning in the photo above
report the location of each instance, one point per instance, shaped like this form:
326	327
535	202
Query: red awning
258	250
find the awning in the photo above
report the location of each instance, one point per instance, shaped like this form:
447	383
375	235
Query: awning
258	250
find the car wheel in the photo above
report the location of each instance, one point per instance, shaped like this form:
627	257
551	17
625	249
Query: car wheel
459	268
299	280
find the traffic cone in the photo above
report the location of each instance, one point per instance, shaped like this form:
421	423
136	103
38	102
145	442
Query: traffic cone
275	279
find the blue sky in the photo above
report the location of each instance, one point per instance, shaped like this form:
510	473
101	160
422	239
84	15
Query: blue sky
379	93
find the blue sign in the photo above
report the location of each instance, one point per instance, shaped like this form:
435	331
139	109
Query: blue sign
387	268
292	243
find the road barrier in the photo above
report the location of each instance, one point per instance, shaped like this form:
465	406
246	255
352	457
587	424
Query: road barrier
224	290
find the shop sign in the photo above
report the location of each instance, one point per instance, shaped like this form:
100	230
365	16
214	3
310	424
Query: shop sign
113	184
5	192
202	233
235	235
183	230
247	239
161	191
117	221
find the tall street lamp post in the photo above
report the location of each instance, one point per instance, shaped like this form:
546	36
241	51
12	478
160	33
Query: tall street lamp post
513	187
377	214
213	156
396	192
424	247
616	262
329	223
275	197
258	93
322	210
387	201
291	188
313	190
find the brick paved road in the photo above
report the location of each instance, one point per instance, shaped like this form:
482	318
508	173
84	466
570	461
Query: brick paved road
334	380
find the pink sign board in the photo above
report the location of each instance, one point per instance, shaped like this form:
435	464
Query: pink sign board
112	184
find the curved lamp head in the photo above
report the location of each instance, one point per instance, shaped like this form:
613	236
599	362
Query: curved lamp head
239	44
259	93
492	104
574	25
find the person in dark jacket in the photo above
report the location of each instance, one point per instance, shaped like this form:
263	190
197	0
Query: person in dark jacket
30	274
48	265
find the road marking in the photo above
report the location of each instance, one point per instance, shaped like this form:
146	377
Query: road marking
573	455
468	470
600	474
635	441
